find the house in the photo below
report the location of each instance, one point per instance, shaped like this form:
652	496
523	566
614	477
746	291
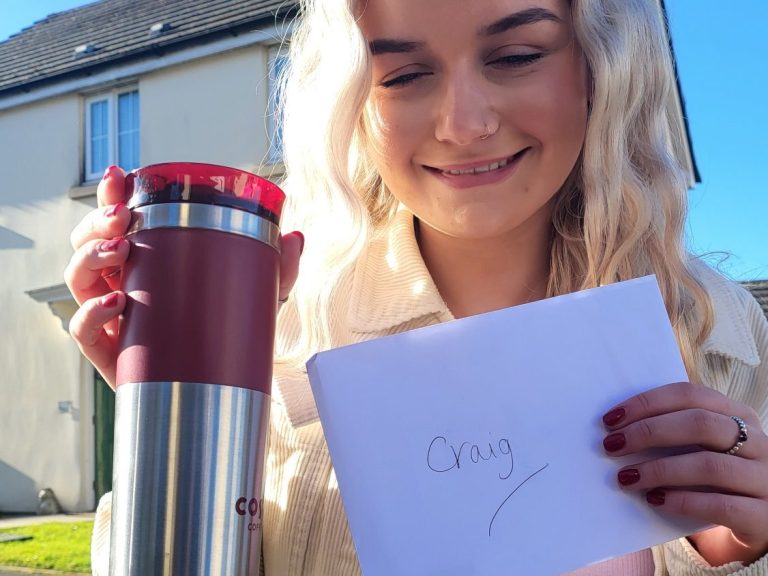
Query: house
128	82
759	289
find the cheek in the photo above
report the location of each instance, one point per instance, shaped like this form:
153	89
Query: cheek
397	129
561	111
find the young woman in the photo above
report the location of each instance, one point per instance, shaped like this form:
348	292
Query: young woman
447	158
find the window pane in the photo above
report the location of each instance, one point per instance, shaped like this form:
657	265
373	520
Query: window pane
128	130
99	136
277	69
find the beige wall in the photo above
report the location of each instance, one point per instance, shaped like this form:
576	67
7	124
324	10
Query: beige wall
39	365
208	110
211	110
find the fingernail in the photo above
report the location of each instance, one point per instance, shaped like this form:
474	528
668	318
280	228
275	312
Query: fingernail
614	442
614	416
655	497
109	172
110	245
629	476
112	210
301	237
110	300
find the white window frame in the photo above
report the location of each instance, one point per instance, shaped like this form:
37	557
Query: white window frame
112	117
275	153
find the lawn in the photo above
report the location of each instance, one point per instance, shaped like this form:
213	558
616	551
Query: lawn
56	546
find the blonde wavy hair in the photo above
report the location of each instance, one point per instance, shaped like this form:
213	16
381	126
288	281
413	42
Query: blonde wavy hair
620	214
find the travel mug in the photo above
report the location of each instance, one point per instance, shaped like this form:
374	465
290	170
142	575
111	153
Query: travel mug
194	371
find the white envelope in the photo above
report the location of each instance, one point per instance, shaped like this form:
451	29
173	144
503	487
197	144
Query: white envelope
475	446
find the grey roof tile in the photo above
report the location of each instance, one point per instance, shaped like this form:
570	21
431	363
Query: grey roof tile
119	30
759	289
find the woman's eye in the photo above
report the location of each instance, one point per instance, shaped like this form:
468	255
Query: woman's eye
516	60
403	80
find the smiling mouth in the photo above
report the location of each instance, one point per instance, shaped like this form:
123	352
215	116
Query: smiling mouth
492	167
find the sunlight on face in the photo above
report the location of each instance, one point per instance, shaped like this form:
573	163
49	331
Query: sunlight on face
478	109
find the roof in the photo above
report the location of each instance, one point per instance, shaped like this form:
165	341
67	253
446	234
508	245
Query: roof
759	289
119	32
681	98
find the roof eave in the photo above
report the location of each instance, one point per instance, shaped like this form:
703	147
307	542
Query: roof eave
93	65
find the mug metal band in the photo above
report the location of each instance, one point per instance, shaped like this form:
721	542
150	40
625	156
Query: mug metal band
206	217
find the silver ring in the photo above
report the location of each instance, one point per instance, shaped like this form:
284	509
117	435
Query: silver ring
487	132
741	438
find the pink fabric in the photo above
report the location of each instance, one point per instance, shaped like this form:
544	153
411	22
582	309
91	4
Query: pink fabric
635	564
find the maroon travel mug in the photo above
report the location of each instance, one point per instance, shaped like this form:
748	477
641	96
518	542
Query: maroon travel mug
194	370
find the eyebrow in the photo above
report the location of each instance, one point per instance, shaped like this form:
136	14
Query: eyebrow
524	17
390	46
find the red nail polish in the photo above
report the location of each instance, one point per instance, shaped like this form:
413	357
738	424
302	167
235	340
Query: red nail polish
655	497
614	416
629	476
614	442
109	172
301	237
110	300
110	245
112	210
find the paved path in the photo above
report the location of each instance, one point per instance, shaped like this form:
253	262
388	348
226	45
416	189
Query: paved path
10	571
15	521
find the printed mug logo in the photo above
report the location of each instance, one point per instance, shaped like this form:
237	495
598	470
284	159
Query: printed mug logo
251	507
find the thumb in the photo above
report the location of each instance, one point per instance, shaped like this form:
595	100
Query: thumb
291	247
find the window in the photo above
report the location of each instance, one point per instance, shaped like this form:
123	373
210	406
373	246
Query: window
111	132
278	59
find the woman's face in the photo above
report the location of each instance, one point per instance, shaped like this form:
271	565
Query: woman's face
478	108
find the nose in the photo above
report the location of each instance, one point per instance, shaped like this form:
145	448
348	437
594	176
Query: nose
465	112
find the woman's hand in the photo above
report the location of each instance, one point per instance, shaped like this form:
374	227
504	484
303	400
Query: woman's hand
729	490
93	272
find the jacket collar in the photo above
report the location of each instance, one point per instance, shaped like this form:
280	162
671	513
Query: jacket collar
391	284
731	336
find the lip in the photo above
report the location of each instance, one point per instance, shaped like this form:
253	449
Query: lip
481	179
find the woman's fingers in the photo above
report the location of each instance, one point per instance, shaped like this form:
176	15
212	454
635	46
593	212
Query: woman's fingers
671	398
717	472
696	426
100	251
102	223
94	328
112	217
111	189
291	247
727	490
85	273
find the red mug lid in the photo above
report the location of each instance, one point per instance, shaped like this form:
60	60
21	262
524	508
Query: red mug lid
204	184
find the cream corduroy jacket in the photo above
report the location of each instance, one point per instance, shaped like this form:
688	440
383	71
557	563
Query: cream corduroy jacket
390	291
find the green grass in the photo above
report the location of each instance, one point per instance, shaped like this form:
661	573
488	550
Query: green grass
56	546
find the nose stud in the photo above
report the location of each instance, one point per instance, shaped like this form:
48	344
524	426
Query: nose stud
487	132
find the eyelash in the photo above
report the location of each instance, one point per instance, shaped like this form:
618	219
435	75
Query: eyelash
404	80
514	61
518	60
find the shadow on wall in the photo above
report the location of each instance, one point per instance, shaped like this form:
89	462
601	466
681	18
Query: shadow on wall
18	492
9	240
